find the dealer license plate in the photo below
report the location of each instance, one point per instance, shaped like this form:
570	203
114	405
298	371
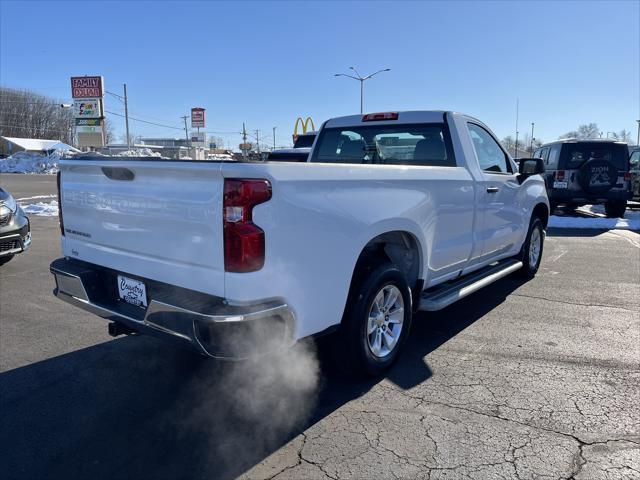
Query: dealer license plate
132	291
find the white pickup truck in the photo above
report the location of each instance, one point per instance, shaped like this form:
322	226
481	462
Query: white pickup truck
391	214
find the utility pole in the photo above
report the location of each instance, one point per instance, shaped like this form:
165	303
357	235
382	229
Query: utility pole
186	131
638	138
274	137
531	145
244	141
517	112
126	115
258	142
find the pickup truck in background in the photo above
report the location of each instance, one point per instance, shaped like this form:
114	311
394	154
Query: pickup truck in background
299	152
392	213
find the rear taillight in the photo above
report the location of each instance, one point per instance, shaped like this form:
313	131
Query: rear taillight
59	204
627	176
560	175
373	117
243	240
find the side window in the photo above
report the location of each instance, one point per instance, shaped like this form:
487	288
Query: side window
536	154
544	154
554	155
634	161
490	156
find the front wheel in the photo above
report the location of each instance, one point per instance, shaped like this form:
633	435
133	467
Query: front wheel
615	208
376	321
4	259
531	253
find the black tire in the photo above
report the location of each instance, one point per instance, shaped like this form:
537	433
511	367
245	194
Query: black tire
4	259
352	350
528	269
552	207
615	208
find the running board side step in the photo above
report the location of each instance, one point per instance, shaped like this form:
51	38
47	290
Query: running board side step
448	294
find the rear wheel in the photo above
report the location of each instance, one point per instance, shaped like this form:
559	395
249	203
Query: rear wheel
615	208
5	259
376	321
531	253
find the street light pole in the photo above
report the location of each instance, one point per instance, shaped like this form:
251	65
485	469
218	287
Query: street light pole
361	79
531	144
638	138
274	138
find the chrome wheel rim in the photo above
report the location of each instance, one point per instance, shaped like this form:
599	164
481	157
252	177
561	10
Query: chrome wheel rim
384	322
535	245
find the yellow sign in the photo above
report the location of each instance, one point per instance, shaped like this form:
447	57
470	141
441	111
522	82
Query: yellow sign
305	126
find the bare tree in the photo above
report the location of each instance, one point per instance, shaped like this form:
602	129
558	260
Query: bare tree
508	142
132	138
109	132
584	132
623	135
27	114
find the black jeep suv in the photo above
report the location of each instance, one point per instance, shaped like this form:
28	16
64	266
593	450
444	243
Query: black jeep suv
581	172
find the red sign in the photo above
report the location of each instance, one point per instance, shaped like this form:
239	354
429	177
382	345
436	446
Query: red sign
197	117
86	87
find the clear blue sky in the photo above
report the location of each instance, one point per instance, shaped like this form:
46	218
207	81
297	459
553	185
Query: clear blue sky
265	63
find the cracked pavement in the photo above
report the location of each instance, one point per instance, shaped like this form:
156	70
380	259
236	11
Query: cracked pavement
536	380
544	385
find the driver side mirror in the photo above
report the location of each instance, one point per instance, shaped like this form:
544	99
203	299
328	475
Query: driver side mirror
530	166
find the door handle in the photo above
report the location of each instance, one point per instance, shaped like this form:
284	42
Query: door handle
493	189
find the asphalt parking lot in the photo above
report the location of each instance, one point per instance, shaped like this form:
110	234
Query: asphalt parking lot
521	380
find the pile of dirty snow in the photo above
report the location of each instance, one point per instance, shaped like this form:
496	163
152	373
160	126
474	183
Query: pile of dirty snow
42	209
138	152
220	156
597	219
29	162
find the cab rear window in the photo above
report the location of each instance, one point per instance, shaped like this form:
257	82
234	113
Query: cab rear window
404	144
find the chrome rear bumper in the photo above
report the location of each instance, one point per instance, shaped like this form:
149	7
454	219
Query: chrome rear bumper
209	325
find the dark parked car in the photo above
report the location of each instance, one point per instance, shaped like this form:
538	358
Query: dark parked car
15	231
289	155
299	152
305	140
581	172
634	171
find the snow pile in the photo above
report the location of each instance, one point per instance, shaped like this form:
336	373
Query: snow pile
30	162
42	209
631	220
219	156
139	152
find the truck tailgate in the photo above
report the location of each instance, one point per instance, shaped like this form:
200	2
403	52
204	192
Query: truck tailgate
150	218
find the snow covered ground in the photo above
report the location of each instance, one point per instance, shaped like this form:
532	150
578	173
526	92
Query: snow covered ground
595	219
26	162
42	209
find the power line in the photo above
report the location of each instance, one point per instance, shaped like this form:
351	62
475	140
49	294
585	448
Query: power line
144	121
